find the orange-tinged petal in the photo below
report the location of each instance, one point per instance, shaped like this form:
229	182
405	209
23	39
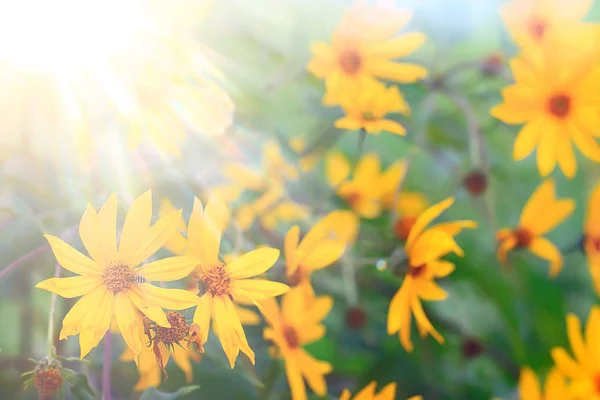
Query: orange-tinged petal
168	269
441	268
71	259
543	248
566	364
337	168
253	263
346	395
311	333
529	385
399	306
592	332
585	143
71	287
504	247
565	156
424	219
453	228
318	309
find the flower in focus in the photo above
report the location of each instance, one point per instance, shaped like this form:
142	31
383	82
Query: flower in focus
591	241
555	96
583	371
315	251
410	206
110	283
368	393
540	215
424	249
554	389
178	243
366	107
296	324
363	48
219	284
529	22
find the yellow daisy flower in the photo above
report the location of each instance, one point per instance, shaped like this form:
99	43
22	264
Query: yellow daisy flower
540	215
584	370
554	389
315	251
591	241
366	107
110	283
424	249
296	324
368	393
178	243
530	21
220	284
363	48
555	96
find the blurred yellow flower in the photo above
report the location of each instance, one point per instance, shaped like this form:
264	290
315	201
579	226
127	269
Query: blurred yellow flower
178	243
363	48
555	97
584	370
591	241
424	249
540	215
220	284
366	107
315	251
110	283
308	162
554	389
410	206
296	324
368	393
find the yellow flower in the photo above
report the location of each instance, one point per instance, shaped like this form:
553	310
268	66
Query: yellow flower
367	106
554	389
410	206
368	393
178	242
529	22
424	250
362	48
364	193
295	325
110	283
584	370
220	284
591	241
308	162
315	251
540	215
555	96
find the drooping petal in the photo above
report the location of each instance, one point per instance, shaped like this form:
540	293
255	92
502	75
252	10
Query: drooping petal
181	357
270	310
295	381
257	289
253	263
565	156
313	371
168	269
202	317
592	332
232	336
424	219
423	322
71	259
544	248
546	152
504	247
130	322
527	139
430	291
71	287
398	307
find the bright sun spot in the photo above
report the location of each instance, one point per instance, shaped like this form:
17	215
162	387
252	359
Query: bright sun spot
66	35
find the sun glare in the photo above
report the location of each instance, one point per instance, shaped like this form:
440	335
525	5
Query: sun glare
66	35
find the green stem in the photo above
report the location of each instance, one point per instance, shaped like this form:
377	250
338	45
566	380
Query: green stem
361	143
51	315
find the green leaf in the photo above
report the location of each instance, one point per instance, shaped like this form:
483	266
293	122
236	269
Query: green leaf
80	388
154	394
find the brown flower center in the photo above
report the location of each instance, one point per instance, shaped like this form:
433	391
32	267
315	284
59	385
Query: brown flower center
559	105
298	276
215	281
537	28
417	271
593	242
523	237
403	226
353	199
350	61
47	382
291	337
176	333
118	277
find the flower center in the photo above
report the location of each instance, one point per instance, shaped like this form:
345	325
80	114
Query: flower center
417	271
118	277
350	61
537	28
353	199
215	281
298	276
559	105
177	332
403	226
48	381
368	116
291	337
523	236
594	242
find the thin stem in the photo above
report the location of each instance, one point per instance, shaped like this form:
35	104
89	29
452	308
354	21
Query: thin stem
106	366
475	139
361	143
51	315
349	279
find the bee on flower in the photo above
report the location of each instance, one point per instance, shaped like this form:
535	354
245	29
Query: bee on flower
369	393
555	388
424	249
110	283
298	322
540	215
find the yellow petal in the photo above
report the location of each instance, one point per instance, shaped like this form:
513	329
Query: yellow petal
218	213
168	269
311	333
430	291
399	72
553	216
156	237
257	289
99	324
538	202
505	247
78	317
202	317
337	168
247	317
441	268
295	381
71	287
136	225
270	310
566	364
323	255
253	263
88	231
398	309
71	259
130	323
423	322
424	219
527	139
152	311
106	232
398	47
543	248
529	385
392	127
430	246
173	299
565	156
203	237
387	393
546	152
455	227
367	170
231	333
576	339
290	244
313	371
181	357
592	330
